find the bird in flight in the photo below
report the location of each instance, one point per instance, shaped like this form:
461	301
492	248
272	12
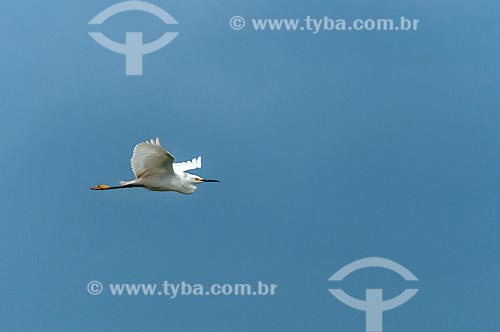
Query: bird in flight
155	170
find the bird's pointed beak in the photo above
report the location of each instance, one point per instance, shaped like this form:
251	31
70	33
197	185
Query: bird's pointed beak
205	180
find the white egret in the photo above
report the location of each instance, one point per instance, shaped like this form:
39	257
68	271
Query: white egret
154	169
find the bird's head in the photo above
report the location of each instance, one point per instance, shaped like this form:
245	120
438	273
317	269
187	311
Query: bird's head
195	179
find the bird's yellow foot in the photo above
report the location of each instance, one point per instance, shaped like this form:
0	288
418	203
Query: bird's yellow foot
100	187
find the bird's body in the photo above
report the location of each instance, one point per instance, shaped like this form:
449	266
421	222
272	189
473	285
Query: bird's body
155	170
175	182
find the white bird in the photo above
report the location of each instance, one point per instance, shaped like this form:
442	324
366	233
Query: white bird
154	169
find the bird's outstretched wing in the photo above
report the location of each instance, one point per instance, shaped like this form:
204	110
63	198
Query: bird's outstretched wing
149	158
188	165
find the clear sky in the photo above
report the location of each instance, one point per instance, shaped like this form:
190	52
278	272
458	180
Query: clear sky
331	147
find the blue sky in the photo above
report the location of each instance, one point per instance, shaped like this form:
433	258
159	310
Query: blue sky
331	147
